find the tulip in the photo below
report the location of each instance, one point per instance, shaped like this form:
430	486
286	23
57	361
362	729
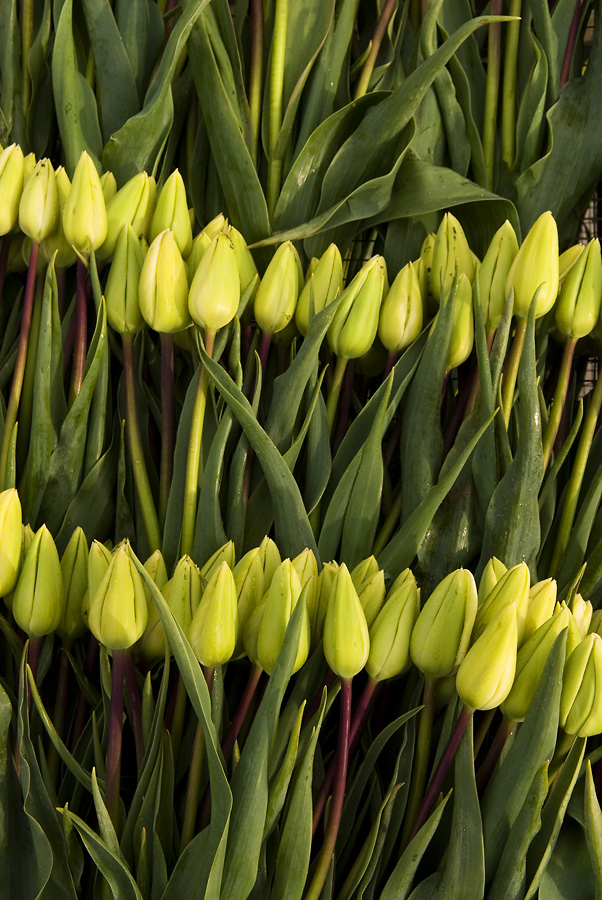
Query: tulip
492	573
401	313
39	597
276	296
11	540
225	553
441	635
121	291
306	567
171	211
323	285
156	568
57	243
11	186
486	673
534	272
214	628
325	583
542	600
182	594
372	596
74	568
108	184
355	323
346	638
119	609
450	250
39	204
391	631
85	212
493	274
130	206
363	572
247	270
462	335
581	698
270	560
215	290
578	306
163	289
249	581
513	586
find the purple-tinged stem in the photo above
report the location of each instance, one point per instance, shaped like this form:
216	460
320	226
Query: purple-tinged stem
336	805
345	405
311	710
135	698
241	712
80	346
113	759
570	46
494	752
33	660
264	350
391	360
168	422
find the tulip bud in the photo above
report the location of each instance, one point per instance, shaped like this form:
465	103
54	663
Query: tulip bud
276	296
355	323
442	631
99	558
493	274
119	607
404	577
11	186
57	243
401	314
325	583
11	540
306	567
129	206
108	184
266	626
27	536
346	638
199	245
214	628
582	611
492	573
363	572
487	671
270	560
450	250
225	553
85	213
121	291
574	637
513	586
425	262
217	224
182	594
372	596
530	662
542	600
595	625
163	289
323	285
39	204
215	290
567	260
39	600
156	568
74	568
535	269
171	212
581	698
462	336
578	306
391	631
247	270
248	578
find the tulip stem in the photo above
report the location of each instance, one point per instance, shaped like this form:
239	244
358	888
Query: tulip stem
278	53
81	332
168	426
194	775
509	86
570	46
573	489
511	371
113	758
33	660
494	753
60	708
256	81
143	488
241	712
335	390
377	39
336	805
19	370
557	408
441	771
135	698
492	87
421	758
177	725
6	239
193	463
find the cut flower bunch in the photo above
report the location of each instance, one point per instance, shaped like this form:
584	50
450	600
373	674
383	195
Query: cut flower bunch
300	474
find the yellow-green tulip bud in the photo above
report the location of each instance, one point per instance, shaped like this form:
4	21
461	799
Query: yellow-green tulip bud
99	559
574	636
74	568
346	638
404	577
311	268
213	631
391	631
171	211
121	291
39	599
217	224
567	260
595	625
582	611
306	567
163	289
487	671
425	261
325	582
401	313
215	290
492	573
270	560
442	631
27	536
535	269
248	578
324	285
276	296
39	204
493	272
119	607
363	572
513	586
29	164
581	698
11	540
355	323
542	600
530	662
85	212
11	186
225	553
57	243
129	206
200	243
156	568
462	336
578	306
108	183
450	251
372	596
269	620
182	594
247	270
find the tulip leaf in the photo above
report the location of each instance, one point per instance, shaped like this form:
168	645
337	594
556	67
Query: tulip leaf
532	746
574	555
318	461
281	780
74	99
532	105
142	31
11	117
569	871
593	827
115	85
40	115
293	530
209	532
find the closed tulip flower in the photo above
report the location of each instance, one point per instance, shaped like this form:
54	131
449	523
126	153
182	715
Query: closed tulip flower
346	638
118	609
11	186
85	212
276	297
401	313
171	211
39	204
535	269
39	597
487	671
121	291
11	540
215	290
355	323
163	288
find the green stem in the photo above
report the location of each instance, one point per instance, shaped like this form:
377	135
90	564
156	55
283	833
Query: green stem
511	370
336	805
143	489
19	370
335	390
26	39
113	759
509	87
557	408
177	726
168	426
379	33
275	112
256	81
60	708
573	489
194	777
421	757
492	87
193	463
